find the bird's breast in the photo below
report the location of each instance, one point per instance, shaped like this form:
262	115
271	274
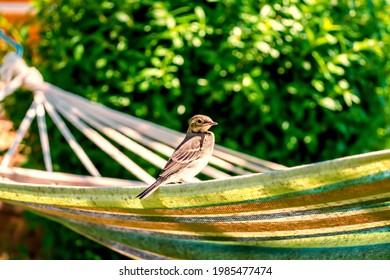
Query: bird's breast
196	166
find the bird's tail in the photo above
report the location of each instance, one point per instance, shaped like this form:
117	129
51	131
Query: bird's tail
150	189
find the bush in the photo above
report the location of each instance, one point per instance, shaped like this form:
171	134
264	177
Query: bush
289	81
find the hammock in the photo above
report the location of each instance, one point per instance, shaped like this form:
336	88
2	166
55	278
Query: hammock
338	209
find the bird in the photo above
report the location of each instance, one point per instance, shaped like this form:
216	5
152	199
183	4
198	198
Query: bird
190	157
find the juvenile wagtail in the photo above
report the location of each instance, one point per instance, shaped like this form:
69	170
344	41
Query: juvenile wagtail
190	157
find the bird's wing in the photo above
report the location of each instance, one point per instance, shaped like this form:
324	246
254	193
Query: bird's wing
188	151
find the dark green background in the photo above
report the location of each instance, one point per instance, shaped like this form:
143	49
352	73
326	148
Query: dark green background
292	82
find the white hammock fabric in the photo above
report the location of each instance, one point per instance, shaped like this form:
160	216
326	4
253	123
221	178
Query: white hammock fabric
102	126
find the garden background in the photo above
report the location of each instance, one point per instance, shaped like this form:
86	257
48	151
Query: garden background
292	82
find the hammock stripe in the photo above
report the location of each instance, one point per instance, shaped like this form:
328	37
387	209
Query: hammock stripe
339	209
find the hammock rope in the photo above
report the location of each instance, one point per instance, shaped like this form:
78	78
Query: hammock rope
102	125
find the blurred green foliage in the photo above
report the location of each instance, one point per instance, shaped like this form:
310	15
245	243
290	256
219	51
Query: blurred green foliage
288	81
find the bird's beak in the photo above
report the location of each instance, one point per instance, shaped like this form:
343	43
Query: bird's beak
211	123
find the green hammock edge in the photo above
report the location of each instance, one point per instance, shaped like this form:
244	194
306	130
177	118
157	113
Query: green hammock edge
254	187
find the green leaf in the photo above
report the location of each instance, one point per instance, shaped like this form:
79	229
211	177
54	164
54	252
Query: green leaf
330	104
122	17
78	52
101	63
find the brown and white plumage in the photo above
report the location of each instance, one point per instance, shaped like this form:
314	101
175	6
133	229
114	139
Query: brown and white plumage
190	157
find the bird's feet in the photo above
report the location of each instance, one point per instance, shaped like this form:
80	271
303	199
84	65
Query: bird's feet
181	181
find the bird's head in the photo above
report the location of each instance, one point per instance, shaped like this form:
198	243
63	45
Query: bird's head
200	123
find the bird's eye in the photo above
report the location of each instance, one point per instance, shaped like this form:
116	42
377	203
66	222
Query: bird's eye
199	121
